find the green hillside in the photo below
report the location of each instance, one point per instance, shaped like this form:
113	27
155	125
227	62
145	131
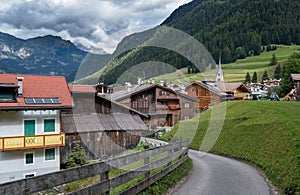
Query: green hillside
235	72
263	133
236	28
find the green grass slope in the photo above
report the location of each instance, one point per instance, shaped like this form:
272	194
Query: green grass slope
236	72
264	133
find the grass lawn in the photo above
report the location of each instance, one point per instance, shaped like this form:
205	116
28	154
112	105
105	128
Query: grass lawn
263	133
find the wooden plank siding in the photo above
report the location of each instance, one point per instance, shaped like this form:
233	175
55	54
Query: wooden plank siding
206	97
103	128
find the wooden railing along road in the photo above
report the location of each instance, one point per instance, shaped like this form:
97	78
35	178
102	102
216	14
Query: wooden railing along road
166	157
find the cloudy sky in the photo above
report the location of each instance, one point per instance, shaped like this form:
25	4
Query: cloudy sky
98	23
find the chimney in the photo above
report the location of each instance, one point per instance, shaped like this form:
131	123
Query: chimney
151	81
139	81
20	86
162	83
128	86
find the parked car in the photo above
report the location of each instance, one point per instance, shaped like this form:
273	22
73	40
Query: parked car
274	96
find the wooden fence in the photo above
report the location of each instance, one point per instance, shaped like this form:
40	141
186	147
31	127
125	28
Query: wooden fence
167	157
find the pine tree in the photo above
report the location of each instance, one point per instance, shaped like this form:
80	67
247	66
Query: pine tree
247	78
292	66
273	60
277	72
77	157
254	77
265	76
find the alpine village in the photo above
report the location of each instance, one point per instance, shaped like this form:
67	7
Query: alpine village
79	122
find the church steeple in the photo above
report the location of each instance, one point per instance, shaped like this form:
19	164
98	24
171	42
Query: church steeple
219	75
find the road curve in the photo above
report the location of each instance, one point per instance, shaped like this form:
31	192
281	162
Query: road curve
216	175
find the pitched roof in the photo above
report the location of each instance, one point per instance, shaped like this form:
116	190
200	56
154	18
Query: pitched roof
95	122
187	96
230	87
37	87
295	77
209	87
82	88
120	95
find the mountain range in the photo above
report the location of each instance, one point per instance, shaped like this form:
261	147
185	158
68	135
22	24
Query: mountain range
46	55
233	28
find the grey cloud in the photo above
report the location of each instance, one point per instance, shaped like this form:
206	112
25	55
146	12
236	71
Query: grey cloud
102	22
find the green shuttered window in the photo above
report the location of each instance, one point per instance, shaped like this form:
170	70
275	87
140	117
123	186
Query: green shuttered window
29	158
29	127
50	154
49	125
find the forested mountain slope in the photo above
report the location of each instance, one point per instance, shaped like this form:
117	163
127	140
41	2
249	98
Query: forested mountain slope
234	28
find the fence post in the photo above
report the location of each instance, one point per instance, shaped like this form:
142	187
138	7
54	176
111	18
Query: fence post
146	161
103	177
170	154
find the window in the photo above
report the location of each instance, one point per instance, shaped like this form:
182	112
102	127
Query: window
28	175
28	158
186	117
29	127
193	89
6	96
186	105
50	154
49	125
7	92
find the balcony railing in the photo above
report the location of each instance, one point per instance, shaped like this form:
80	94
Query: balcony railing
27	142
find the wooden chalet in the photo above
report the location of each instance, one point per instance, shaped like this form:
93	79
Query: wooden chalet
237	90
161	103
188	109
205	93
103	127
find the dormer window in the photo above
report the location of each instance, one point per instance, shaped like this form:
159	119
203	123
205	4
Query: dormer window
7	92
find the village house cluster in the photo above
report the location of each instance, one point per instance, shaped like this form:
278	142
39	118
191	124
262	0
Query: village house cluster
42	117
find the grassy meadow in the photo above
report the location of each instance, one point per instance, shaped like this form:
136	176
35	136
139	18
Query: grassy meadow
265	134
236	72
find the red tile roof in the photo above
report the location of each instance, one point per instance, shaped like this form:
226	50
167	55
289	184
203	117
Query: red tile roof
82	88
38	87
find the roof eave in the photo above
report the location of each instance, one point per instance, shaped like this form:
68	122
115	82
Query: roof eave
18	108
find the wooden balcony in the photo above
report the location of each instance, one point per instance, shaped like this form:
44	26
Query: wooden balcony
167	97
28	142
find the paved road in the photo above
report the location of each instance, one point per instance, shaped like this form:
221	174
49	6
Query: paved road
216	175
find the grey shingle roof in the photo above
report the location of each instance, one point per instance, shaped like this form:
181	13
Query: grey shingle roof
94	122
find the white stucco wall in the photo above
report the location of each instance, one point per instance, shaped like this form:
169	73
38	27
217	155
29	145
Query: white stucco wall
13	166
12	163
12	122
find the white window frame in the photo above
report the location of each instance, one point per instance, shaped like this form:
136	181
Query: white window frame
186	117
186	105
33	158
55	152
55	126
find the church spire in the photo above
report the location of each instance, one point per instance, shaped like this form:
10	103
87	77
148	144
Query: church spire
219	75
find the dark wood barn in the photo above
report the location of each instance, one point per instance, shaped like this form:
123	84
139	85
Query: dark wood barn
104	128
